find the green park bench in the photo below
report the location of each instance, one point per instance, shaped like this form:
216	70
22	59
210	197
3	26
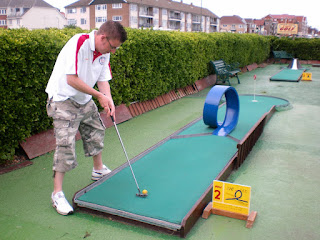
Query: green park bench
225	71
278	55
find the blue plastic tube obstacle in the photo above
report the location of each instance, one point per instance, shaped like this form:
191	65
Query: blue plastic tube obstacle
211	107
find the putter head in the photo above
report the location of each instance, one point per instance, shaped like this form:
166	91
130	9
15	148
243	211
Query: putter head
141	195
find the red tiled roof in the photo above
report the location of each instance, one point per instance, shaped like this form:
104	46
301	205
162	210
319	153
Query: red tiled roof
232	20
168	4
258	22
80	3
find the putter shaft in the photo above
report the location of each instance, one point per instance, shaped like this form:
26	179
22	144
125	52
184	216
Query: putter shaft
125	152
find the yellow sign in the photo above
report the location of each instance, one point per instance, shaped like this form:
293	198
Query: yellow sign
306	76
287	28
231	197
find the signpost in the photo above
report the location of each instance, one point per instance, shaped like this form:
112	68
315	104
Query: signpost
231	197
287	29
231	200
306	76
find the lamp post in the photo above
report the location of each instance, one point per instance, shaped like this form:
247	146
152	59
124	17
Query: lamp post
201	17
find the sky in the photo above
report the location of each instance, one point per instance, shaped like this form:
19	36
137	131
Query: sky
246	8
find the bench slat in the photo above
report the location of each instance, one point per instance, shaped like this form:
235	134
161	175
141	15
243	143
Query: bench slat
224	71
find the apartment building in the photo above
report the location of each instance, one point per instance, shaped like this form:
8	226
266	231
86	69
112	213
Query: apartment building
259	27
156	14
31	14
234	24
255	26
3	13
3	17
251	27
271	22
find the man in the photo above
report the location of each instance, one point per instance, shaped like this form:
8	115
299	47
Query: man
82	63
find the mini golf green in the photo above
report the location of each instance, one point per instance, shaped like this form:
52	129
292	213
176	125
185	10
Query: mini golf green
177	172
289	75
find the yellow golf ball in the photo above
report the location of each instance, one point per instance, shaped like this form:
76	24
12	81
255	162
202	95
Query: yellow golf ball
144	191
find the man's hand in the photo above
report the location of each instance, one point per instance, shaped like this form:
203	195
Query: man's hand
107	104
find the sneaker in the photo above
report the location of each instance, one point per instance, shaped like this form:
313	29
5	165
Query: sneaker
97	174
60	203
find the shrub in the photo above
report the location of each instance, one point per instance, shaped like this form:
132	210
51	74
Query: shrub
150	63
302	48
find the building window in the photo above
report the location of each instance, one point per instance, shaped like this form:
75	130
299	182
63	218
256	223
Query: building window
101	7
72	22
117	5
3	22
101	19
133	19
116	18
224	25
164	11
3	12
83	9
71	10
164	23
133	7
83	21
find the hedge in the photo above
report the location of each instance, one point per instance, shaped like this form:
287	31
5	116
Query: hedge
27	60
302	48
149	63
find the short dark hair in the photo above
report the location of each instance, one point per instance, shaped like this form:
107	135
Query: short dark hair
113	30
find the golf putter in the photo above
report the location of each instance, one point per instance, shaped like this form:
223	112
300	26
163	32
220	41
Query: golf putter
139	194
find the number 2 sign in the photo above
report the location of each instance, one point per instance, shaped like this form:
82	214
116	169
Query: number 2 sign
231	197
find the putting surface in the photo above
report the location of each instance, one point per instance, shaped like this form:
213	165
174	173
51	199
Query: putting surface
250	113
176	172
169	174
290	75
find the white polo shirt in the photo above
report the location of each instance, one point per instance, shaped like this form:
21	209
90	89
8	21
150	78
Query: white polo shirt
78	57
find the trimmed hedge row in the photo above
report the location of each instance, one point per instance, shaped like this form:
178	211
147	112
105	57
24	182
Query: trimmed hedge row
27	59
302	48
149	63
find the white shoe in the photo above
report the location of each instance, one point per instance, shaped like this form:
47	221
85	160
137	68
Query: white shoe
60	203
97	174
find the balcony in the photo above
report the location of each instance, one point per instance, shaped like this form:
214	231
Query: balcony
146	12
145	25
196	19
17	14
213	22
145	22
196	27
175	16
174	26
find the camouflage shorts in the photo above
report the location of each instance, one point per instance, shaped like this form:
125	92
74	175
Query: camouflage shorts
69	117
